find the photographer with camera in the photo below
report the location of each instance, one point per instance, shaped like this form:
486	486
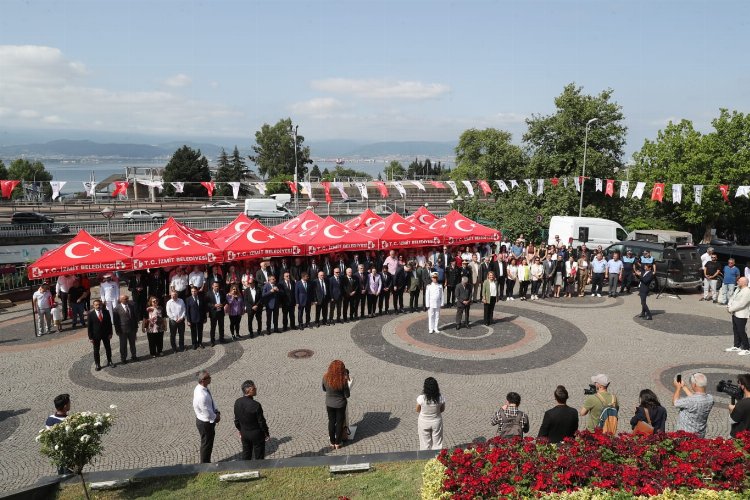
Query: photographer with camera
695	407
598	399
740	412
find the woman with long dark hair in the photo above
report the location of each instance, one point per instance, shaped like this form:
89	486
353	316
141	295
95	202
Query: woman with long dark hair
650	411
336	387
153	325
430	406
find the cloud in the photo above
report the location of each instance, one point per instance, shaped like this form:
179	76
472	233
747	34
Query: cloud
381	89
317	106
178	80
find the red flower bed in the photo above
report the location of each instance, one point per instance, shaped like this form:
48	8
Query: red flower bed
641	465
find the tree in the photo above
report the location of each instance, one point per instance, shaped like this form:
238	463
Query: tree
555	142
222	174
189	166
274	151
326	174
24	170
394	170
341	172
315	172
3	171
488	154
231	169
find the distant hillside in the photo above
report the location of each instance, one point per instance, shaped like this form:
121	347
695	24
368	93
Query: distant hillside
78	149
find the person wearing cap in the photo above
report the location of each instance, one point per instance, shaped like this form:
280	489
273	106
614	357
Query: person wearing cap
647	258
433	300
594	405
628	263
109	292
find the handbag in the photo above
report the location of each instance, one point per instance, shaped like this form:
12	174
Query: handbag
644	428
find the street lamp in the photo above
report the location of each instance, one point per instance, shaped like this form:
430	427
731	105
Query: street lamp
293	130
108	213
583	175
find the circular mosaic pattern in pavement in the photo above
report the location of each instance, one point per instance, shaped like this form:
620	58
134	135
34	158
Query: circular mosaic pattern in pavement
714	373
9	422
153	373
686	324
519	340
585	302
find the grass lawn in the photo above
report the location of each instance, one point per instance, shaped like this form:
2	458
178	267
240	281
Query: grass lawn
400	480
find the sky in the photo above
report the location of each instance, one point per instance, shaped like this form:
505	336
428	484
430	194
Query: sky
362	70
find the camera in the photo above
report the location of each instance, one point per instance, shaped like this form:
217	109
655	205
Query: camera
733	390
590	391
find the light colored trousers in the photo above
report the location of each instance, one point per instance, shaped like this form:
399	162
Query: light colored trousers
433	317
709	288
430	433
727	289
45	321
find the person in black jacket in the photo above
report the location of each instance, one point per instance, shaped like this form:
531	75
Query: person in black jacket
251	424
216	300
399	285
649	410
100	332
287	286
647	276
350	290
561	421
361	276
452	279
138	288
253	306
196	309
322	297
386	284
335	284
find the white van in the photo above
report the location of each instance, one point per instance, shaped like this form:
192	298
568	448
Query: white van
600	231
281	198
265	207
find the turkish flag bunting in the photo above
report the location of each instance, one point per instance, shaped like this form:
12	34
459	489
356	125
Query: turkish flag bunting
438	185
485	187
292	186
724	188
121	187
209	187
610	190
657	193
327	188
555	181
8	187
383	190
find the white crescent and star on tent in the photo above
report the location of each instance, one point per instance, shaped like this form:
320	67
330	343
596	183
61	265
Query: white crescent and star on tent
327	233
375	227
252	239
436	222
355	222
397	230
240	226
457	225
305	224
163	243
367	222
291	224
70	253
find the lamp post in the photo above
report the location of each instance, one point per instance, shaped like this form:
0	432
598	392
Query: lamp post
293	130
583	175
108	213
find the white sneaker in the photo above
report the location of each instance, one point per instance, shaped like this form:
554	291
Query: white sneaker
512	298
598	294
744	352
438	331
732	349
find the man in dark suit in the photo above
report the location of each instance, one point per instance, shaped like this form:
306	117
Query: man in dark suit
350	289
215	301
335	283
384	299
647	276
327	267
125	319
426	280
361	276
312	271
253	306
272	299
302	297
249	420
463	302
138	288
196	310
297	269
262	275
354	264
342	264
322	297
287	301
273	270
399	285
100	332
414	284
284	267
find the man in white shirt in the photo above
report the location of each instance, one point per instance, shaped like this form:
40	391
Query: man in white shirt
176	314
206	415
197	279
705	257
64	284
179	283
43	309
433	300
109	292
739	308
392	262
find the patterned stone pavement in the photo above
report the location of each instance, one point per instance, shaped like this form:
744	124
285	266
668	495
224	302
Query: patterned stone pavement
530	348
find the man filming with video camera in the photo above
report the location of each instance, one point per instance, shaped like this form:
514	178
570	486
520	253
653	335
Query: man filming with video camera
598	399
740	412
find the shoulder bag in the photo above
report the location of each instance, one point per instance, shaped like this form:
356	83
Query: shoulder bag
644	428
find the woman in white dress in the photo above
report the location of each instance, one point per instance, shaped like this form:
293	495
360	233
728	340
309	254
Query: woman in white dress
433	297
430	406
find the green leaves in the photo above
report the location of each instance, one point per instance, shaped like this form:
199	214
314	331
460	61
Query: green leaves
274	150
187	165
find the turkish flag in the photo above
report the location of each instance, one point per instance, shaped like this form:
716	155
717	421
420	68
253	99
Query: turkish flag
8	187
383	190
724	188
292	186
438	185
327	188
555	181
209	187
657	193
610	190
485	187
121	187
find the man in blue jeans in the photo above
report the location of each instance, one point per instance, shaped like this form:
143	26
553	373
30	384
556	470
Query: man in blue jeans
731	275
614	273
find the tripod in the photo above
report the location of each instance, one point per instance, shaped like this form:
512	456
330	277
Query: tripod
660	289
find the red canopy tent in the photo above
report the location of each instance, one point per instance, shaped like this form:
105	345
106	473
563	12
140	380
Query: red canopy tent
257	241
83	254
396	232
365	219
304	221
237	226
458	229
422	216
332	236
171	222
173	246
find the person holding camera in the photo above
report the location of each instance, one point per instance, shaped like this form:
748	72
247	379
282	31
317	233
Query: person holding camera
595	403
695	406
740	412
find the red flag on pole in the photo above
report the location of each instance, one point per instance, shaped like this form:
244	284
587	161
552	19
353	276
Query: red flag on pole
610	190
121	187
292	186
724	188
383	190
327	188
438	185
209	187
485	187
555	181
657	194
8	187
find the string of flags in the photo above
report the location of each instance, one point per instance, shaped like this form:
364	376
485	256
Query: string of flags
606	186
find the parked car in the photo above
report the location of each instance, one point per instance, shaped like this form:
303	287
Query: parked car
220	205
677	267
30	218
141	214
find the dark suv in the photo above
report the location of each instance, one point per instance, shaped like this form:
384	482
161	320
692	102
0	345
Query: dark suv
30	218
676	267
